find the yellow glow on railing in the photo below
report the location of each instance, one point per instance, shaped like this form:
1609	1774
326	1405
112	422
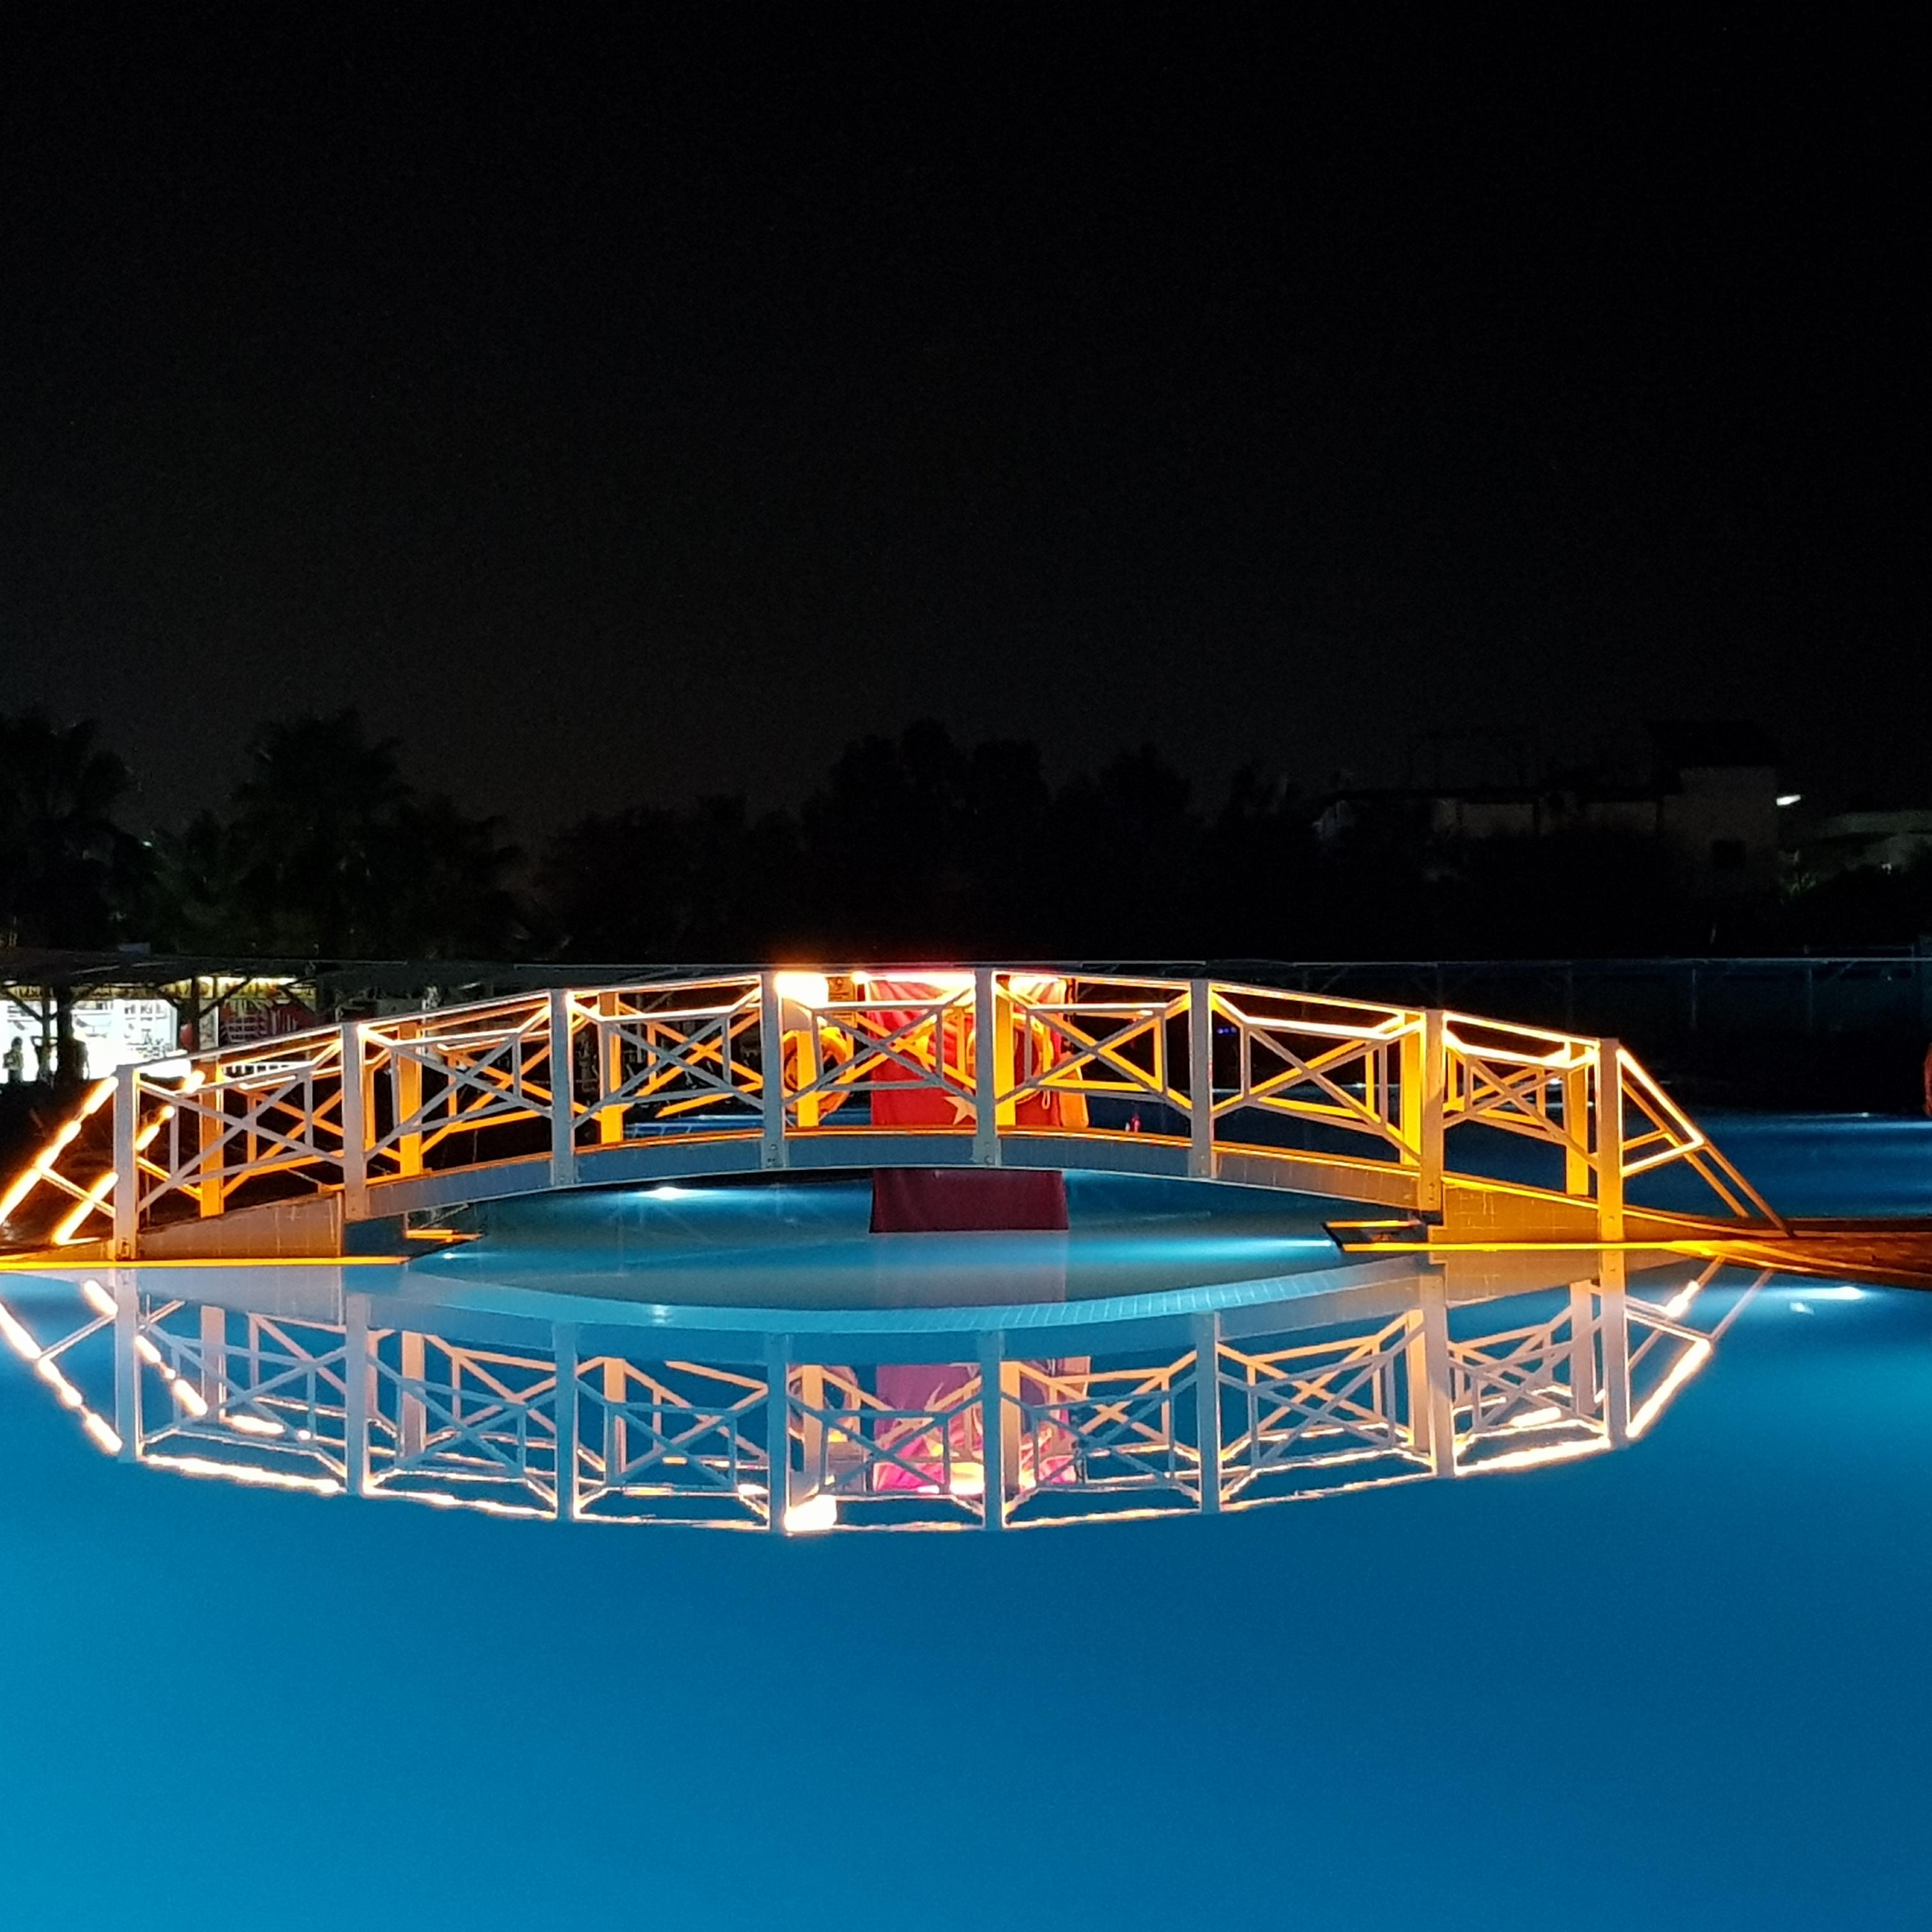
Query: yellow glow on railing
97	1298
102	1434
252	1425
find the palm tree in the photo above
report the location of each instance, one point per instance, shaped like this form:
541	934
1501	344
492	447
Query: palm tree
68	872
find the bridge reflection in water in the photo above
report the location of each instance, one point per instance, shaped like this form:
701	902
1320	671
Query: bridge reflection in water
340	1378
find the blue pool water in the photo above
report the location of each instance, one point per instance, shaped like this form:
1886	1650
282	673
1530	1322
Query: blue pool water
1684	1685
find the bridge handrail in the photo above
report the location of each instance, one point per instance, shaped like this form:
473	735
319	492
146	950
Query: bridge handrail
1224	1070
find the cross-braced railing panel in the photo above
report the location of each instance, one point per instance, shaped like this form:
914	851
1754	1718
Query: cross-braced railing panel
246	1390
881	1461
907	1057
653	1059
441	1090
675	1442
474	1425
266	1128
1088	1039
1096	1442
1351	1071
1309	1413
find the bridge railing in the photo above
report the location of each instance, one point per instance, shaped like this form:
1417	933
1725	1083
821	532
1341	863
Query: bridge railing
558	1424
1344	1097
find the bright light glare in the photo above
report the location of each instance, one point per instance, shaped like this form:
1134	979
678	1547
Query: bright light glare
1844	1291
814	1514
805	989
1789	797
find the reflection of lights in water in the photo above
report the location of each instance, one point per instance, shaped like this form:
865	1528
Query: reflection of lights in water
252	1425
1686	1365
255	1478
1504	1385
22	1344
1544	1452
1679	1303
813	1514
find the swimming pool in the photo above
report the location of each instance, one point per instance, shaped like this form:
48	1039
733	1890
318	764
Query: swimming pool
1680	1684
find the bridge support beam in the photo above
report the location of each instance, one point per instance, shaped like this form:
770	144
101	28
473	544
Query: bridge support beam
1614	1314
771	1065
562	1094
1610	1140
563	1342
127	1365
1425	1076
127	1170
1201	1080
986	1070
992	1432
1207	1407
355	1127
358	1377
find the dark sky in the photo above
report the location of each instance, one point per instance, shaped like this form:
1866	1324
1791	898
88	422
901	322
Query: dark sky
620	412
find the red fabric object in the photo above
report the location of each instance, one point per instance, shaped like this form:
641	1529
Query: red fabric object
962	1200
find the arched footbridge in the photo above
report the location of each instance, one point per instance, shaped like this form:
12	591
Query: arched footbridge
1456	1129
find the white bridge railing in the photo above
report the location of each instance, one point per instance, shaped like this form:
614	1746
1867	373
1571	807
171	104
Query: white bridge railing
354	1398
1389	1105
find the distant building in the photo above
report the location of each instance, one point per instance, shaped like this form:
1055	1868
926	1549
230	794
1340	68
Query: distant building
1707	794
1888	841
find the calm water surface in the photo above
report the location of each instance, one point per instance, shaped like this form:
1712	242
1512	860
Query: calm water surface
1684	1685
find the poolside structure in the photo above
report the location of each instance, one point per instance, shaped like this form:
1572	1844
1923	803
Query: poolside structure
1453	1128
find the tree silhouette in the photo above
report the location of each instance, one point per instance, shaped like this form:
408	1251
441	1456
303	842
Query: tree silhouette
68	871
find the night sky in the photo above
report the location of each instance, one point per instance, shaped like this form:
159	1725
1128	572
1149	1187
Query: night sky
645	405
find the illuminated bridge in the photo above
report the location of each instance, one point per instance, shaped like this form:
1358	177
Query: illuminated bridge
1449	1128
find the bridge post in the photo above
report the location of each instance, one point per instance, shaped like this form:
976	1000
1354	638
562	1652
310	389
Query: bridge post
985	1070
992	1432
355	1390
1425	1084
1576	1130
126	1169
1201	1079
1609	1139
127	1365
1207	1407
562	1094
563	1343
1431	1396
355	1127
778	1430
1615	1317
771	1068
